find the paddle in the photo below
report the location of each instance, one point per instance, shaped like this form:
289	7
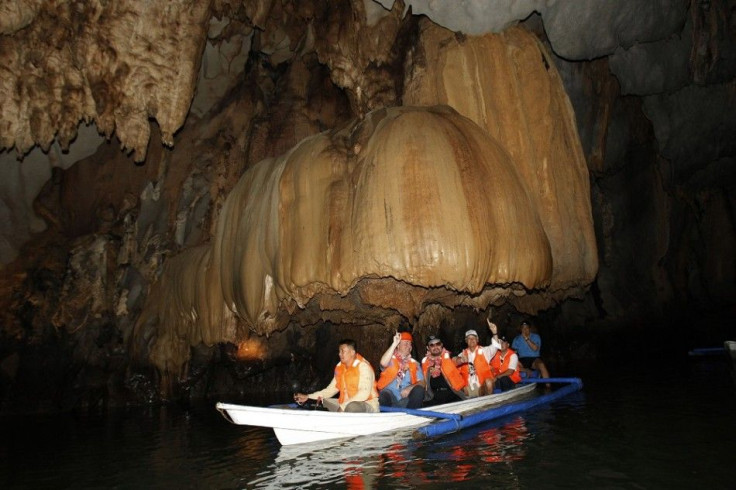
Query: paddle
422	413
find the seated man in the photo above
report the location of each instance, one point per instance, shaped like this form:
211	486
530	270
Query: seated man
401	383
505	366
528	346
443	380
474	363
354	379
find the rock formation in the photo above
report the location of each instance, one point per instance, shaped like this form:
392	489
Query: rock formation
293	172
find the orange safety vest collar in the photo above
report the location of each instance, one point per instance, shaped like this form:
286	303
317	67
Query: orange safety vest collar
499	367
348	379
389	374
482	368
449	371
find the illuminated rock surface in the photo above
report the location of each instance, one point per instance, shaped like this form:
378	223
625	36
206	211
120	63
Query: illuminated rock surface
317	170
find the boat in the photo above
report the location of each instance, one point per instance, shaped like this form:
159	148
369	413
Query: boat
293	425
730	347
706	351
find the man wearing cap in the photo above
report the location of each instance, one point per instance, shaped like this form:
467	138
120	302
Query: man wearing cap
505	366
354	379
474	362
527	346
444	382
401	383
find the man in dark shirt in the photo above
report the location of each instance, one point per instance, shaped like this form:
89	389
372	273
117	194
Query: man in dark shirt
445	384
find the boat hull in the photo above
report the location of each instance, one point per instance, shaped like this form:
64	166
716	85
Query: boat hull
299	426
730	347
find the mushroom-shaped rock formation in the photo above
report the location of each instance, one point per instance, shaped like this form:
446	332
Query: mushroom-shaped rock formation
407	208
507	83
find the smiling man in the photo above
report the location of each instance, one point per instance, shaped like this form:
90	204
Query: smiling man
443	380
474	362
402	382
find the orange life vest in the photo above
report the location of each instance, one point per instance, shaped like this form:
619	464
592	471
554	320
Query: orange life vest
389	374
482	368
348	379
499	367
449	371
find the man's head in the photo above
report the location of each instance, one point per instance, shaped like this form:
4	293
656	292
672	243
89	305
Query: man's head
471	338
347	351
525	328
434	346
404	347
504	342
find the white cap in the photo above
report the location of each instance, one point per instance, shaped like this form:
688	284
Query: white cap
471	332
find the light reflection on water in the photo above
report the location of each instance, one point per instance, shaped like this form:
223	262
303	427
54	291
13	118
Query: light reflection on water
624	430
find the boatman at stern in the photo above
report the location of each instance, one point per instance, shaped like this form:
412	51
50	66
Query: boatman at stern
402	382
355	381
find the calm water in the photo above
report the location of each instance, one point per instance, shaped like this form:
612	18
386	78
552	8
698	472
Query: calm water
657	428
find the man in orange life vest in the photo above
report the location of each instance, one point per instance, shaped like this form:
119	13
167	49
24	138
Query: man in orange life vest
354	379
401	383
505	366
444	382
474	362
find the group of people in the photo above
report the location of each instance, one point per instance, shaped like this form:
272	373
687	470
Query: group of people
439	378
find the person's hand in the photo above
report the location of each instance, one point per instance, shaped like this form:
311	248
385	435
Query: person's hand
405	392
300	398
397	338
492	327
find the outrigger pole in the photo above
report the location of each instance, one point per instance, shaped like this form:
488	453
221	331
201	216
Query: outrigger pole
445	427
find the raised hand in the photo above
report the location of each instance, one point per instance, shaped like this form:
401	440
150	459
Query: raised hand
492	326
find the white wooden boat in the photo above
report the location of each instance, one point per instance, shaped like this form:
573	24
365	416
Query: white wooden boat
297	426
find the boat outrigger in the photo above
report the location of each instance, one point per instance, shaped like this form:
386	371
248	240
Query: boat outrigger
297	426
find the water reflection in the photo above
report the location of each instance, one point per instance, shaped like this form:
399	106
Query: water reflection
680	425
362	462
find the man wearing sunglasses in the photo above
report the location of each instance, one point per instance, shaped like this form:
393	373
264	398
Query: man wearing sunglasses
445	384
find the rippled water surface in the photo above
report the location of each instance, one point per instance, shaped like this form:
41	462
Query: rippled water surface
672	427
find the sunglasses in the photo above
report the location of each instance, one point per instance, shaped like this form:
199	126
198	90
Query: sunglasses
435	343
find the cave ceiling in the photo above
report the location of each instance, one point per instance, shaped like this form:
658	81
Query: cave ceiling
361	162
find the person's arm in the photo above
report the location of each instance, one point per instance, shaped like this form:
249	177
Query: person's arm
533	343
420	376
366	380
328	392
490	351
493	328
386	357
420	382
459	358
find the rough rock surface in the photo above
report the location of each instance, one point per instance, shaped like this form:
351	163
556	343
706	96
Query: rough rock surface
406	199
115	64
652	110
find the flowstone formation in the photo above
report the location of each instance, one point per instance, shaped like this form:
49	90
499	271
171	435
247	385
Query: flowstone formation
344	168
405	210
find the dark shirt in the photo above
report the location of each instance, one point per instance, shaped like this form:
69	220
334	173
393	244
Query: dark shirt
438	383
